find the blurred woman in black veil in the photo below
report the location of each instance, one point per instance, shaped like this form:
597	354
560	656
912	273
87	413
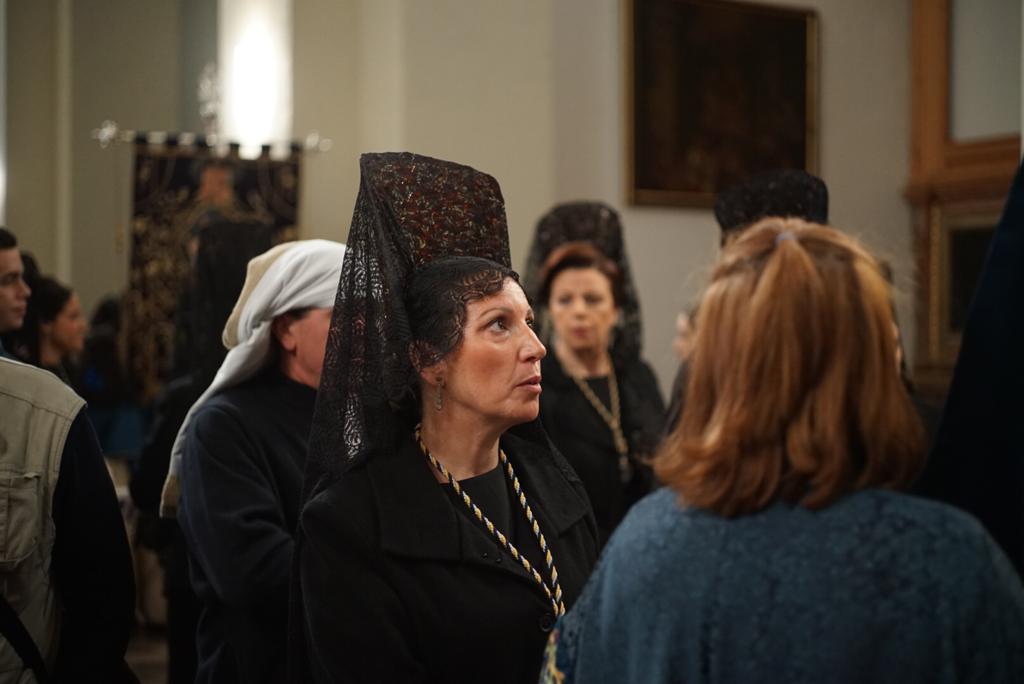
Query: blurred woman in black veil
443	535
601	404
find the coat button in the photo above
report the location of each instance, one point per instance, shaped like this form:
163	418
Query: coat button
497	559
485	555
546	622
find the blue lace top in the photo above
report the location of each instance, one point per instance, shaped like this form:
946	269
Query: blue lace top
879	587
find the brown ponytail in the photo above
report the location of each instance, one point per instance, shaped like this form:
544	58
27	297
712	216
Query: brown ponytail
794	389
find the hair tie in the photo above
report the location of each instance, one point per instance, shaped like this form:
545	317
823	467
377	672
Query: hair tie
784	235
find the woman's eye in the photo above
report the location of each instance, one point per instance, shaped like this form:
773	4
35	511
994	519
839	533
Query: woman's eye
593	299
564	301
498	324
530	323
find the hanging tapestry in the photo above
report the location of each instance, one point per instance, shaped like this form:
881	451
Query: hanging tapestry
177	192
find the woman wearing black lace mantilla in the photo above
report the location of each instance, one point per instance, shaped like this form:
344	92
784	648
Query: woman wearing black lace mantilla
601	403
443	535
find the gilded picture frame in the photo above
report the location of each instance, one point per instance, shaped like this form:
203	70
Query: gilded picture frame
716	91
960	239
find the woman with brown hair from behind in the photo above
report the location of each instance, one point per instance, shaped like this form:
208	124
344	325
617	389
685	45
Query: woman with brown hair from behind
782	549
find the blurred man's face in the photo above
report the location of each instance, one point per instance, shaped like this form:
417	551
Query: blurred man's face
13	290
303	340
216	185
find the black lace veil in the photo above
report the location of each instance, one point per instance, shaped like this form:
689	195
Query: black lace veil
599	225
411	210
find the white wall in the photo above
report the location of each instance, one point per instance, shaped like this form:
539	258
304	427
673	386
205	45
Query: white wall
70	65
985	69
3	109
125	67
324	86
31	127
470	82
381	75
479	90
197	48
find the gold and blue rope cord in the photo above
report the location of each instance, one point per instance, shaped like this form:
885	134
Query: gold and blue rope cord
554	590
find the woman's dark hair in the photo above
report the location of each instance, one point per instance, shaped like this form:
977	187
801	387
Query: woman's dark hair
581	255
436	300
103	380
7	239
107	314
47	300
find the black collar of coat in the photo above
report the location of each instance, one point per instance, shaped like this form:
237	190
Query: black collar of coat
419	519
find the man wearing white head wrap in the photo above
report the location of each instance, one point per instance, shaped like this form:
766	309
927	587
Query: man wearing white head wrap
292	276
236	467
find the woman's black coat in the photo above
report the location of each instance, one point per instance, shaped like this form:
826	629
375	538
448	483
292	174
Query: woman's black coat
582	436
400	584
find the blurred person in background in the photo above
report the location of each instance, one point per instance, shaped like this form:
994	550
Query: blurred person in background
603	416
235	478
220	253
784	193
601	406
103	382
68	591
54	330
14	291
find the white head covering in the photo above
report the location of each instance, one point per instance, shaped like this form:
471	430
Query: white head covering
293	275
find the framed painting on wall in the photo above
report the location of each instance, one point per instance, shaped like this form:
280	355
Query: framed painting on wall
716	91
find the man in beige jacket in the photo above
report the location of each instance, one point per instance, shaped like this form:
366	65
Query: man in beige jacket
68	593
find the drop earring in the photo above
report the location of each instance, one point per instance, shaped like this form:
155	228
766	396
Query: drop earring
437	395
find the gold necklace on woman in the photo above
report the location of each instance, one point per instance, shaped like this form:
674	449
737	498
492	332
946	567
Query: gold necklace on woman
612	416
552	590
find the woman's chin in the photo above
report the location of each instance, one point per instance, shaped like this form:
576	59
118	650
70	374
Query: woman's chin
584	347
527	414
